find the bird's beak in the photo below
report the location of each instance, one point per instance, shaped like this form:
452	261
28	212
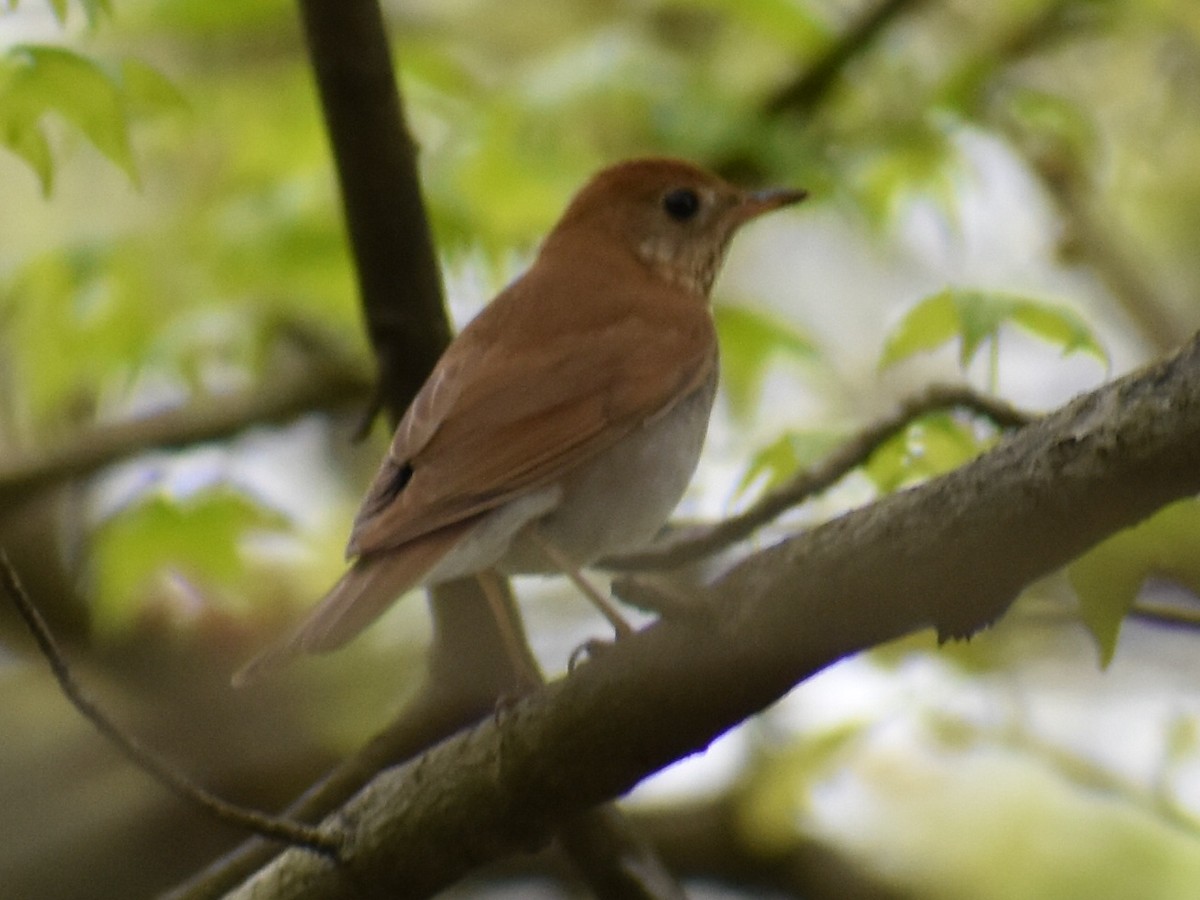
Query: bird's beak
755	203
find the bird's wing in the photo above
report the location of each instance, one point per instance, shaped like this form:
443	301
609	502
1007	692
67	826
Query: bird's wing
500	417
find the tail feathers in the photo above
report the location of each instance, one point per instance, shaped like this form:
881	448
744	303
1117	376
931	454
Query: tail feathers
360	597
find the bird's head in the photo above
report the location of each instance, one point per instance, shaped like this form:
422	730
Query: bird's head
674	217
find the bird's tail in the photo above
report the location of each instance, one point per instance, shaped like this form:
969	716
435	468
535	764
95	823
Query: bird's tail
360	597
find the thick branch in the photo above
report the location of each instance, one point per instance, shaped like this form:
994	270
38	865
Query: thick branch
951	554
398	275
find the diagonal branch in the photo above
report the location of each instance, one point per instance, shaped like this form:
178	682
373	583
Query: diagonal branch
951	554
812	84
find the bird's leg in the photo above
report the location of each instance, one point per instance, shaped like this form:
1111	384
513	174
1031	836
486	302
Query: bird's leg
568	567
524	668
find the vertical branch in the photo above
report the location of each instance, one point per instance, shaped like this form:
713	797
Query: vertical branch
398	276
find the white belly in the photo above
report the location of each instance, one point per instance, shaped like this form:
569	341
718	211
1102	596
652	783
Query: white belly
611	505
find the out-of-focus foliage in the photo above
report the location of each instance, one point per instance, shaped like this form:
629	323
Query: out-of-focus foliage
930	446
92	9
201	538
170	217
974	317
781	458
753	342
1109	577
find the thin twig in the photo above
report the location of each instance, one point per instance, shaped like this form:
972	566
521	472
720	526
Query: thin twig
688	545
1166	613
289	832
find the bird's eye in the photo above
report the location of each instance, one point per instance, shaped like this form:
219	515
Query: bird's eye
681	204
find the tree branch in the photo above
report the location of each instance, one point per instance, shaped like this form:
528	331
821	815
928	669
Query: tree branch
952	554
812	84
399	278
323	383
464	677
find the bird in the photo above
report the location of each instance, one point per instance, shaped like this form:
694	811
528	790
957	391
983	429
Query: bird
563	423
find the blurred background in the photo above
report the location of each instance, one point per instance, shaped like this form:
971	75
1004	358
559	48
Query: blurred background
1005	193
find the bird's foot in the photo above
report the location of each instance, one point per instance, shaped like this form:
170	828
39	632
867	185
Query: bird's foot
593	649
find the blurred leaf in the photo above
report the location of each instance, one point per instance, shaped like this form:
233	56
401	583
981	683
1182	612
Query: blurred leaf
1059	325
795	25
928	325
930	446
92	9
779	460
147	91
1054	126
80	321
198	538
974	316
1108	577
30	144
189	19
41	80
1183	739
750	342
895	159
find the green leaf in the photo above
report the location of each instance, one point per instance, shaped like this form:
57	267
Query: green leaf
42	80
928	325
1058	325
904	157
94	9
199	537
30	144
975	317
750	342
785	21
779	460
779	791
147	92
930	446
1056	124
980	315
1108	577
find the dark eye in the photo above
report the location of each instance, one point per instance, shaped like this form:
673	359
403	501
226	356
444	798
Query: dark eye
681	204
